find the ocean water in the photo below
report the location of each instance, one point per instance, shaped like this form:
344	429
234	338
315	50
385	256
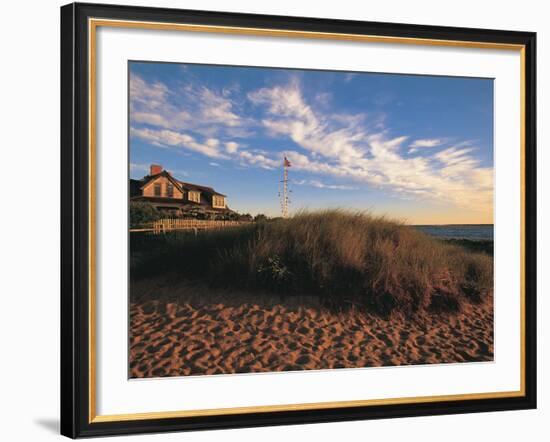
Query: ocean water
460	231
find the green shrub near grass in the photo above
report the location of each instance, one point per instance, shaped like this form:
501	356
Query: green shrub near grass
346	258
142	214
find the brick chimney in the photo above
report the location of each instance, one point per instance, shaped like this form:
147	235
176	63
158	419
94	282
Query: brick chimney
155	169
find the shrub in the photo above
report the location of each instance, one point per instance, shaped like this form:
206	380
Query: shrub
260	217
142	214
274	273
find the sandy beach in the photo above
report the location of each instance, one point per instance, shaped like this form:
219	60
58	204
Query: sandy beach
189	330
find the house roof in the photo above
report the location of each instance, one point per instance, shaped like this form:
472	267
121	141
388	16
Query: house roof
206	189
147	179
162	199
180	185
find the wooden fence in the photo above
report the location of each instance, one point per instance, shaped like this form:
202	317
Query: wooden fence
168	225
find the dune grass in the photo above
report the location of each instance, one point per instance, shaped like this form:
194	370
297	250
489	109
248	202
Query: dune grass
345	258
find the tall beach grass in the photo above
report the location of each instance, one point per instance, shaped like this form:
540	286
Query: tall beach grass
346	258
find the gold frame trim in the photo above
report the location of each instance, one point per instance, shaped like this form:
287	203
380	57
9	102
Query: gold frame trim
93	24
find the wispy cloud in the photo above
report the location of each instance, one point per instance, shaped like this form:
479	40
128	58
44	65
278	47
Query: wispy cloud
425	143
139	167
290	115
169	138
214	108
231	146
188	107
320	185
318	140
258	159
349	76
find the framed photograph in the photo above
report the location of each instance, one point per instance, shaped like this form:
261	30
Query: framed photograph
274	220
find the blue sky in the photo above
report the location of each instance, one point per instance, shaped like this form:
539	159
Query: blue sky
417	148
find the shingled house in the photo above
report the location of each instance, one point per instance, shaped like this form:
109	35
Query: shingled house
164	192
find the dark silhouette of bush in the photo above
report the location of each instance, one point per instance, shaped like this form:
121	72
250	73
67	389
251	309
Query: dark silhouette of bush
142	214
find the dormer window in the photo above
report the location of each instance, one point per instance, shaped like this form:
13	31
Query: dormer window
170	190
158	189
194	196
218	202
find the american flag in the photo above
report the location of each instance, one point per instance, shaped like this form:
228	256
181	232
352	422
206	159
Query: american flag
287	163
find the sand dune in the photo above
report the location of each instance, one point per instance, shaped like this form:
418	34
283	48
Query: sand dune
176	337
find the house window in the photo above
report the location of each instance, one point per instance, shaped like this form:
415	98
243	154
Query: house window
157	189
195	196
218	201
170	190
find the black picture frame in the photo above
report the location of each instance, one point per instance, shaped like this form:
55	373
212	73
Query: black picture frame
75	219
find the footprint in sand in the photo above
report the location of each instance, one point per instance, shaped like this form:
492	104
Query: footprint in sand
420	340
404	335
382	337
